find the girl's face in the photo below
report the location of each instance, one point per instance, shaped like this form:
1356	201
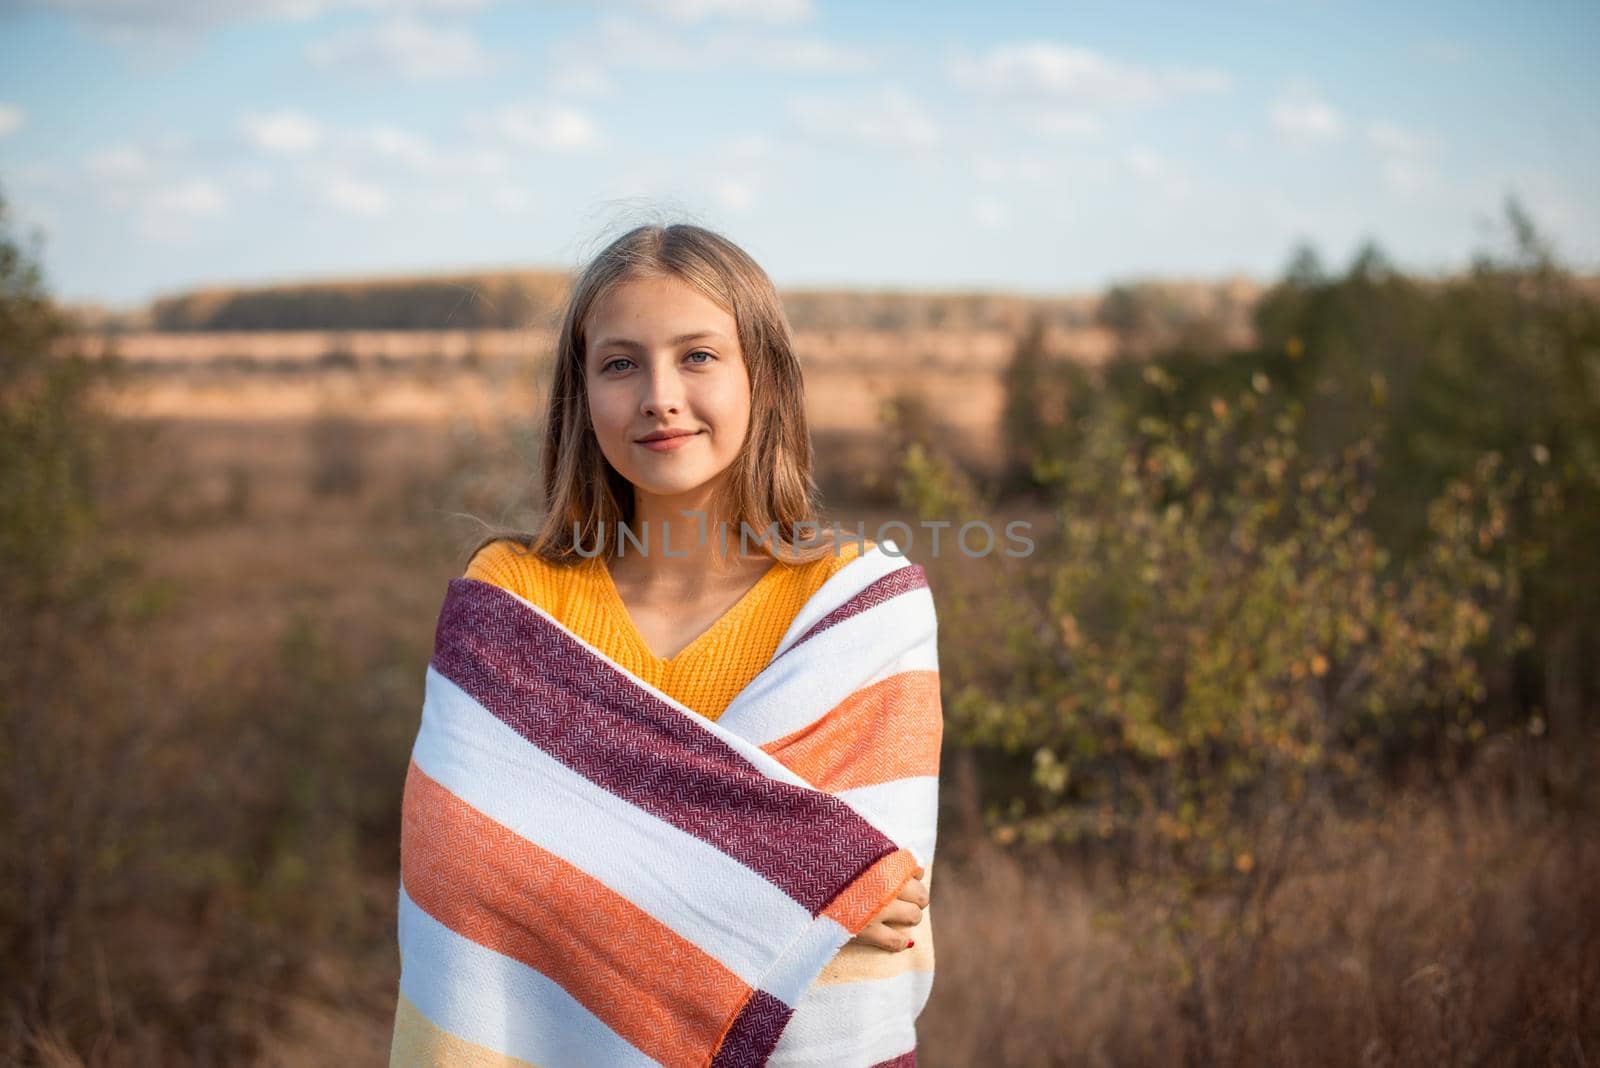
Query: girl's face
662	356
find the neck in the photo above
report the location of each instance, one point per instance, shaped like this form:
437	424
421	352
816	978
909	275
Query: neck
678	540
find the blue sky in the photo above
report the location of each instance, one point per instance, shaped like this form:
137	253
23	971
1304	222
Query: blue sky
162	144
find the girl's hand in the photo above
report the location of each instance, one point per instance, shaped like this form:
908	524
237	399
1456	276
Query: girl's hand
887	930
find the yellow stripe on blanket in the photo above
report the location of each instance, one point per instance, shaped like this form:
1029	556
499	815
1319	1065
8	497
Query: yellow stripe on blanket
417	1041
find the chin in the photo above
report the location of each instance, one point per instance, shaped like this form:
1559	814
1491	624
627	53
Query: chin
672	487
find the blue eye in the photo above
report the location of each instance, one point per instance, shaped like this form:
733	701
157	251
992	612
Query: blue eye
610	364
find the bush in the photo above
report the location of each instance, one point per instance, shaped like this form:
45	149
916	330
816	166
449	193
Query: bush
1498	358
73	731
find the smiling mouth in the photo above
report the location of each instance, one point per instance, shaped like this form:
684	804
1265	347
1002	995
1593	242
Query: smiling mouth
669	443
666	437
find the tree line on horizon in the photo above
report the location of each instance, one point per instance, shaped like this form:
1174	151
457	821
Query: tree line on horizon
534	299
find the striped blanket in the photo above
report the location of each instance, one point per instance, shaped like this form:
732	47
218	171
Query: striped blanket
593	874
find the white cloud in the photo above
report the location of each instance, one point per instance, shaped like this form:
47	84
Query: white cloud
1409	177
1404	158
401	145
1303	118
120	163
1287	219
733	193
744	167
197	198
1450	52
417	51
1064	125
256	178
990	212
1079	75
1395	139
751	146
486	162
888	118
35	173
574	78
355	197
173	213
640	178
163	199
283	132
1017	170
396	144
778	11
795	53
546	127
1152	167
444	202
512	199
740	170
173	14
12	119
626	44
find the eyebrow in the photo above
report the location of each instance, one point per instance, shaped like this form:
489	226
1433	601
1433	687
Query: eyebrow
622	342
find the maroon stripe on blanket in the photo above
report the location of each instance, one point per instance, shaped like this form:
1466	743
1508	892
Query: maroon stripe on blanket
754	1033
599	721
901	580
908	1059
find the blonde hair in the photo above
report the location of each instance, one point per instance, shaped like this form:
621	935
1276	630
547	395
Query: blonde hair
769	482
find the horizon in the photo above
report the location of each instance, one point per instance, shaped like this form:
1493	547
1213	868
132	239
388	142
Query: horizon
445	274
1588	276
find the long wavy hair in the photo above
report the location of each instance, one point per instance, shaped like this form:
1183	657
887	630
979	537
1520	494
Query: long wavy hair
770	483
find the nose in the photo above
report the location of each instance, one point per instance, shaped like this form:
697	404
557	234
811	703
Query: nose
663	391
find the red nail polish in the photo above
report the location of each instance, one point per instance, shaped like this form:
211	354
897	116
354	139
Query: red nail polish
910	942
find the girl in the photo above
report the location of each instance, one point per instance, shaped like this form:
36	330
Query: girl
676	437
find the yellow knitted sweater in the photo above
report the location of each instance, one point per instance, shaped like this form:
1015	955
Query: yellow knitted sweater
706	674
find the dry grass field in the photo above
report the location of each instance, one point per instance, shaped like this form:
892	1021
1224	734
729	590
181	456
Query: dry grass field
480	378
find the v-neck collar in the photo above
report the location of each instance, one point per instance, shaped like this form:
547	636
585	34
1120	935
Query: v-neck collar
631	632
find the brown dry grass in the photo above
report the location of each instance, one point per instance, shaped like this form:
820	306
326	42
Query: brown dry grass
1459	927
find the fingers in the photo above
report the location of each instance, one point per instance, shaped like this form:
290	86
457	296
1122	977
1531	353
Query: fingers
890	928
900	914
883	937
915	892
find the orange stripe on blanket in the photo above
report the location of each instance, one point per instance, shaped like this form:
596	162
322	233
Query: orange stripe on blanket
872	891
889	730
488	883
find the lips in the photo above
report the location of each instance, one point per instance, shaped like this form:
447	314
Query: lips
666	435
669	443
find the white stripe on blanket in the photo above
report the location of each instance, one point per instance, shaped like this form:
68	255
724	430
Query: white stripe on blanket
844	584
889	806
815	676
